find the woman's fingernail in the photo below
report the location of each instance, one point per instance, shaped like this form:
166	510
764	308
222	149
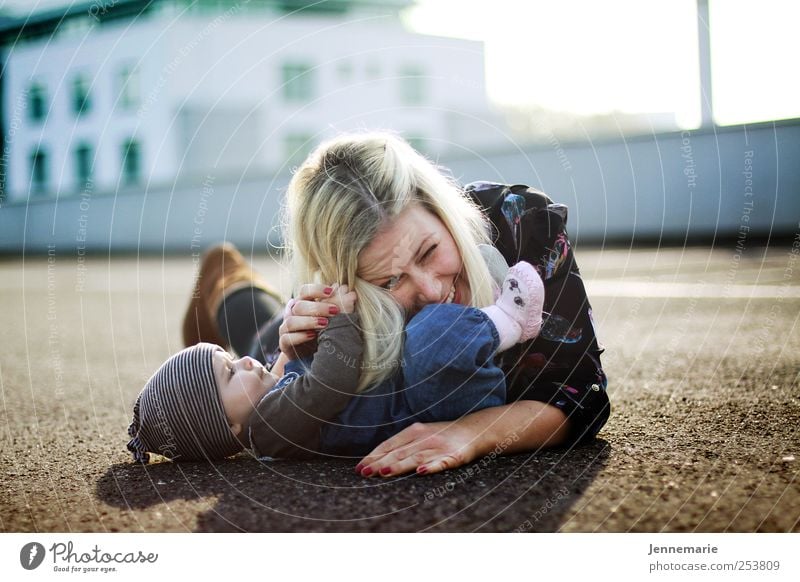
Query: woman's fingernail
386	470
311	334
359	467
422	469
367	472
322	321
328	290
333	310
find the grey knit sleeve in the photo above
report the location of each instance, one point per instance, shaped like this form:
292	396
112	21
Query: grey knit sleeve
288	420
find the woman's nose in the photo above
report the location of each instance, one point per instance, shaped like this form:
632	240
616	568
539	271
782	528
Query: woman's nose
429	290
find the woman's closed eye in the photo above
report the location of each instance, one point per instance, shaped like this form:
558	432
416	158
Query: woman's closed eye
395	279
429	252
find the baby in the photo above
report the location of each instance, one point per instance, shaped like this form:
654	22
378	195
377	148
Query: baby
203	404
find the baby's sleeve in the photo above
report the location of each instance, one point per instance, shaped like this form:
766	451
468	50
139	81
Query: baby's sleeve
288	420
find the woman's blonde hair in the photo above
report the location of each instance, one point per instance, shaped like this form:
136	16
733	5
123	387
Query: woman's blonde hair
339	198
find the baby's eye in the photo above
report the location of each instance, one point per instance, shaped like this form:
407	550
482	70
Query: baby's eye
230	371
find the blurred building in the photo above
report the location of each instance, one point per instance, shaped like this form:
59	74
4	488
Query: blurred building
136	95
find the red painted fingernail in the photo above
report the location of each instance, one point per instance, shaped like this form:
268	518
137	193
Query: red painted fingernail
328	290
311	334
322	321
367	472
422	469
333	310
359	467
386	470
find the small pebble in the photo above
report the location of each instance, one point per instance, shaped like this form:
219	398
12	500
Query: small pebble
788	458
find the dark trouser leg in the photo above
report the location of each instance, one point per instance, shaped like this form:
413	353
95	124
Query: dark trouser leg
242	316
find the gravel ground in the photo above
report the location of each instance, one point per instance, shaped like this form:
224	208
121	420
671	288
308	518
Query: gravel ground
702	351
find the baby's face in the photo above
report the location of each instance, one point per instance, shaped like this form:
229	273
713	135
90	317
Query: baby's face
242	384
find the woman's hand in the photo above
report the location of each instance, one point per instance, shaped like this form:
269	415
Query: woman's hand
525	425
424	448
303	317
342	298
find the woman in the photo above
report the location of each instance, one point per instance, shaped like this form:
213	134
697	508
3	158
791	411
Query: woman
370	212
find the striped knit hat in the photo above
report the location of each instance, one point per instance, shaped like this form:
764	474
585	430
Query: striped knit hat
178	413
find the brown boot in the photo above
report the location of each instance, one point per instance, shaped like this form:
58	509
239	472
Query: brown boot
223	271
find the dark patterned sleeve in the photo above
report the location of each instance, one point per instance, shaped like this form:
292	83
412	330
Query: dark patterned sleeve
528	226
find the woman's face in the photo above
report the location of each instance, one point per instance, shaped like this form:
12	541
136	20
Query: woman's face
416	259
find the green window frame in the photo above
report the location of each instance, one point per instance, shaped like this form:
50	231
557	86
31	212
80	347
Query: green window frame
298	82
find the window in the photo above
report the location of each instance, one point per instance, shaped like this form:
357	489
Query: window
373	71
81	102
37	102
345	71
298	82
131	162
38	171
412	85
128	88
296	147
83	165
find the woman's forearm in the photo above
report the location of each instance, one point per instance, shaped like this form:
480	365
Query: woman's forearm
524	425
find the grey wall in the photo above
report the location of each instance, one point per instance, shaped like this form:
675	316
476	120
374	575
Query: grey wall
670	185
701	184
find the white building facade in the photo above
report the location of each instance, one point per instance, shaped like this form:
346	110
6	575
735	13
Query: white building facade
130	96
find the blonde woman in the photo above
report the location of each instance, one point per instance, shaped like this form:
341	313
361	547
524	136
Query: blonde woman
369	212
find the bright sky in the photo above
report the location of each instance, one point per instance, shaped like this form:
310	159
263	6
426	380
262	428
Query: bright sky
589	56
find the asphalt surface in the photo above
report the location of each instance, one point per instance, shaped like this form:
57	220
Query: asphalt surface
702	352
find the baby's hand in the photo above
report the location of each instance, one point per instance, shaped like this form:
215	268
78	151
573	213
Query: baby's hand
342	298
